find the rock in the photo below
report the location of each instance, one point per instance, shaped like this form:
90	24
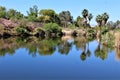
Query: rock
7	23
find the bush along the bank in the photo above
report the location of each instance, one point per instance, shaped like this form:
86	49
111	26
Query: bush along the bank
40	32
52	29
22	31
91	32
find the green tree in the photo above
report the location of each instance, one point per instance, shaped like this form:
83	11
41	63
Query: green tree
13	14
52	28
48	15
105	18
33	13
85	14
78	21
99	20
47	12
90	16
65	18
2	12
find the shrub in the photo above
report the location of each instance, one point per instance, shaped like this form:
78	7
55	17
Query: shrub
91	32
40	32
104	30
1	30
52	28
21	30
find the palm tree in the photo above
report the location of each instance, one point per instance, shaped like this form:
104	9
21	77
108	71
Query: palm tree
99	20
90	16
105	18
85	14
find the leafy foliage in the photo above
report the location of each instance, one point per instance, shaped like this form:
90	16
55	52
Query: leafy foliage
48	15
99	20
52	28
2	12
13	14
33	13
78	21
65	18
21	30
85	13
105	17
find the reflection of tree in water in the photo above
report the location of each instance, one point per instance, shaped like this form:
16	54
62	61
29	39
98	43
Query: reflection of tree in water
108	45
64	47
88	51
32	44
101	52
6	46
85	52
48	46
108	40
80	42
83	56
117	53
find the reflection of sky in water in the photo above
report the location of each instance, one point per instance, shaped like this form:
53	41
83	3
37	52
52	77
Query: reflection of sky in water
23	65
70	40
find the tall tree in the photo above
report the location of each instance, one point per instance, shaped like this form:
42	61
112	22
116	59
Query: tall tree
65	18
13	14
79	21
85	14
90	16
105	17
47	12
33	13
48	15
19	15
99	20
2	12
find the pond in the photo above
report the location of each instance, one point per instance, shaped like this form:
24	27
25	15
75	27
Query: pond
57	58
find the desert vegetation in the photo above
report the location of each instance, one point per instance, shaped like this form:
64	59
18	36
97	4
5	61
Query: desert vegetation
48	23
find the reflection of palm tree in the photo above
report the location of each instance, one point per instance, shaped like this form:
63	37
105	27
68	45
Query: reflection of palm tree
101	52
81	43
88	51
97	51
83	56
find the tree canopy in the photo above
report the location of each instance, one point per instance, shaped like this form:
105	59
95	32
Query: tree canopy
65	18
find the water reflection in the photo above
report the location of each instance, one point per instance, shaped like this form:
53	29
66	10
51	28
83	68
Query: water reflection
47	46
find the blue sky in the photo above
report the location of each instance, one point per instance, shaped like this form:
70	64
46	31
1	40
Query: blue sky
74	6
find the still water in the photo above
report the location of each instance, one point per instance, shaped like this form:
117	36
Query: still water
57	58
